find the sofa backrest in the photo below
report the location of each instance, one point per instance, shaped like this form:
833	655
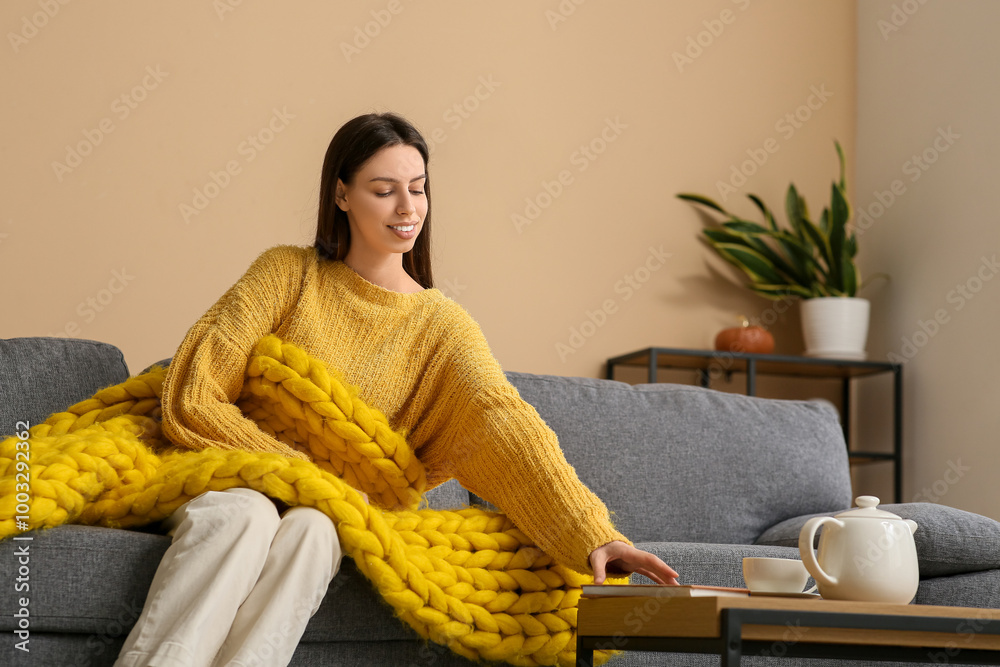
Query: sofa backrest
678	463
42	375
673	462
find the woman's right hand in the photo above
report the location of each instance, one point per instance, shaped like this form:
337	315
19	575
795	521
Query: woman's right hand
619	559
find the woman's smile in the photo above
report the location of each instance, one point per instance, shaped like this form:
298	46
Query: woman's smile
406	231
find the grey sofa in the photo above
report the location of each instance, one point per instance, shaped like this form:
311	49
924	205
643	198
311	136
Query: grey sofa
699	477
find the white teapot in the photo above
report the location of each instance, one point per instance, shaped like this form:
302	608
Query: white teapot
865	554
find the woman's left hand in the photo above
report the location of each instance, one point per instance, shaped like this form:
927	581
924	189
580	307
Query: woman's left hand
619	559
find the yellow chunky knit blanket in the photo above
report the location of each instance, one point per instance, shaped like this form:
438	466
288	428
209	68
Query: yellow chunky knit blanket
465	578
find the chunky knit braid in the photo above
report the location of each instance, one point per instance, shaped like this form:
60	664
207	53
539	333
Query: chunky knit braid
466	578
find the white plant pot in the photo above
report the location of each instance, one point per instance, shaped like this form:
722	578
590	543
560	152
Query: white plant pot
835	327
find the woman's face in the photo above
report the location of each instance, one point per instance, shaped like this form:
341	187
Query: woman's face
385	202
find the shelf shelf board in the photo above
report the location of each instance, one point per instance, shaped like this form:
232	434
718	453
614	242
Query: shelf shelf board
870	457
766	364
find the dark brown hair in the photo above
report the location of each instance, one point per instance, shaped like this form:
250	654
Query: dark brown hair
351	147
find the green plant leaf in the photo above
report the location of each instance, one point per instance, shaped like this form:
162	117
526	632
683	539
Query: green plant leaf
824	222
840	200
757	267
850	276
819	241
778	291
786	268
793	209
840	156
768	216
745	227
768	294
753	236
802	256
851	246
722	236
875	276
838	236
801	266
704	201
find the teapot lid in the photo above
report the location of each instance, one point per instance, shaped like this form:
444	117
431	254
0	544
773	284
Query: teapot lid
867	509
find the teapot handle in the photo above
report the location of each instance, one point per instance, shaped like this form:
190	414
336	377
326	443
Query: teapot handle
806	538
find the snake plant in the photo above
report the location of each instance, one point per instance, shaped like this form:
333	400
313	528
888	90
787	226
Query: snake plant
808	259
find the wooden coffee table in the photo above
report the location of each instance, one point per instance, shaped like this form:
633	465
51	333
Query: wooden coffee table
795	627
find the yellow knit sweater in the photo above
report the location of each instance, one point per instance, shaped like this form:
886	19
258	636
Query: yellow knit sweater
420	358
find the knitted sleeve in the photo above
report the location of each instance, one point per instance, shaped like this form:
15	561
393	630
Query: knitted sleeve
205	376
504	452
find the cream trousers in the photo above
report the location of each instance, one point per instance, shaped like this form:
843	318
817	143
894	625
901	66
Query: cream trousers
237	585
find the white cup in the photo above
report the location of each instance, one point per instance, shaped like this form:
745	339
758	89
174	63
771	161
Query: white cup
775	575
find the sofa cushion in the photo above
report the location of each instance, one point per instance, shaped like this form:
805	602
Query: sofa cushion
77	586
687	464
76	581
972	589
447	496
42	375
161	362
710	564
949	541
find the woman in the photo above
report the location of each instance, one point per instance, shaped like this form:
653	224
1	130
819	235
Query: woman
362	299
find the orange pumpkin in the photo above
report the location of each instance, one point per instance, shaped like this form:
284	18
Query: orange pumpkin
745	338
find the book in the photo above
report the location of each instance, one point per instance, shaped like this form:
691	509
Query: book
658	590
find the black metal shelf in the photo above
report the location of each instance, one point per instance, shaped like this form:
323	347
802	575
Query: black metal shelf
711	363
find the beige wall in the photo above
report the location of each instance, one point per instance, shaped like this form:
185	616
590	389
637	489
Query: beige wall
605	77
928	105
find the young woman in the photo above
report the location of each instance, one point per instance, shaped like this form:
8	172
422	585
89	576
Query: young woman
238	573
